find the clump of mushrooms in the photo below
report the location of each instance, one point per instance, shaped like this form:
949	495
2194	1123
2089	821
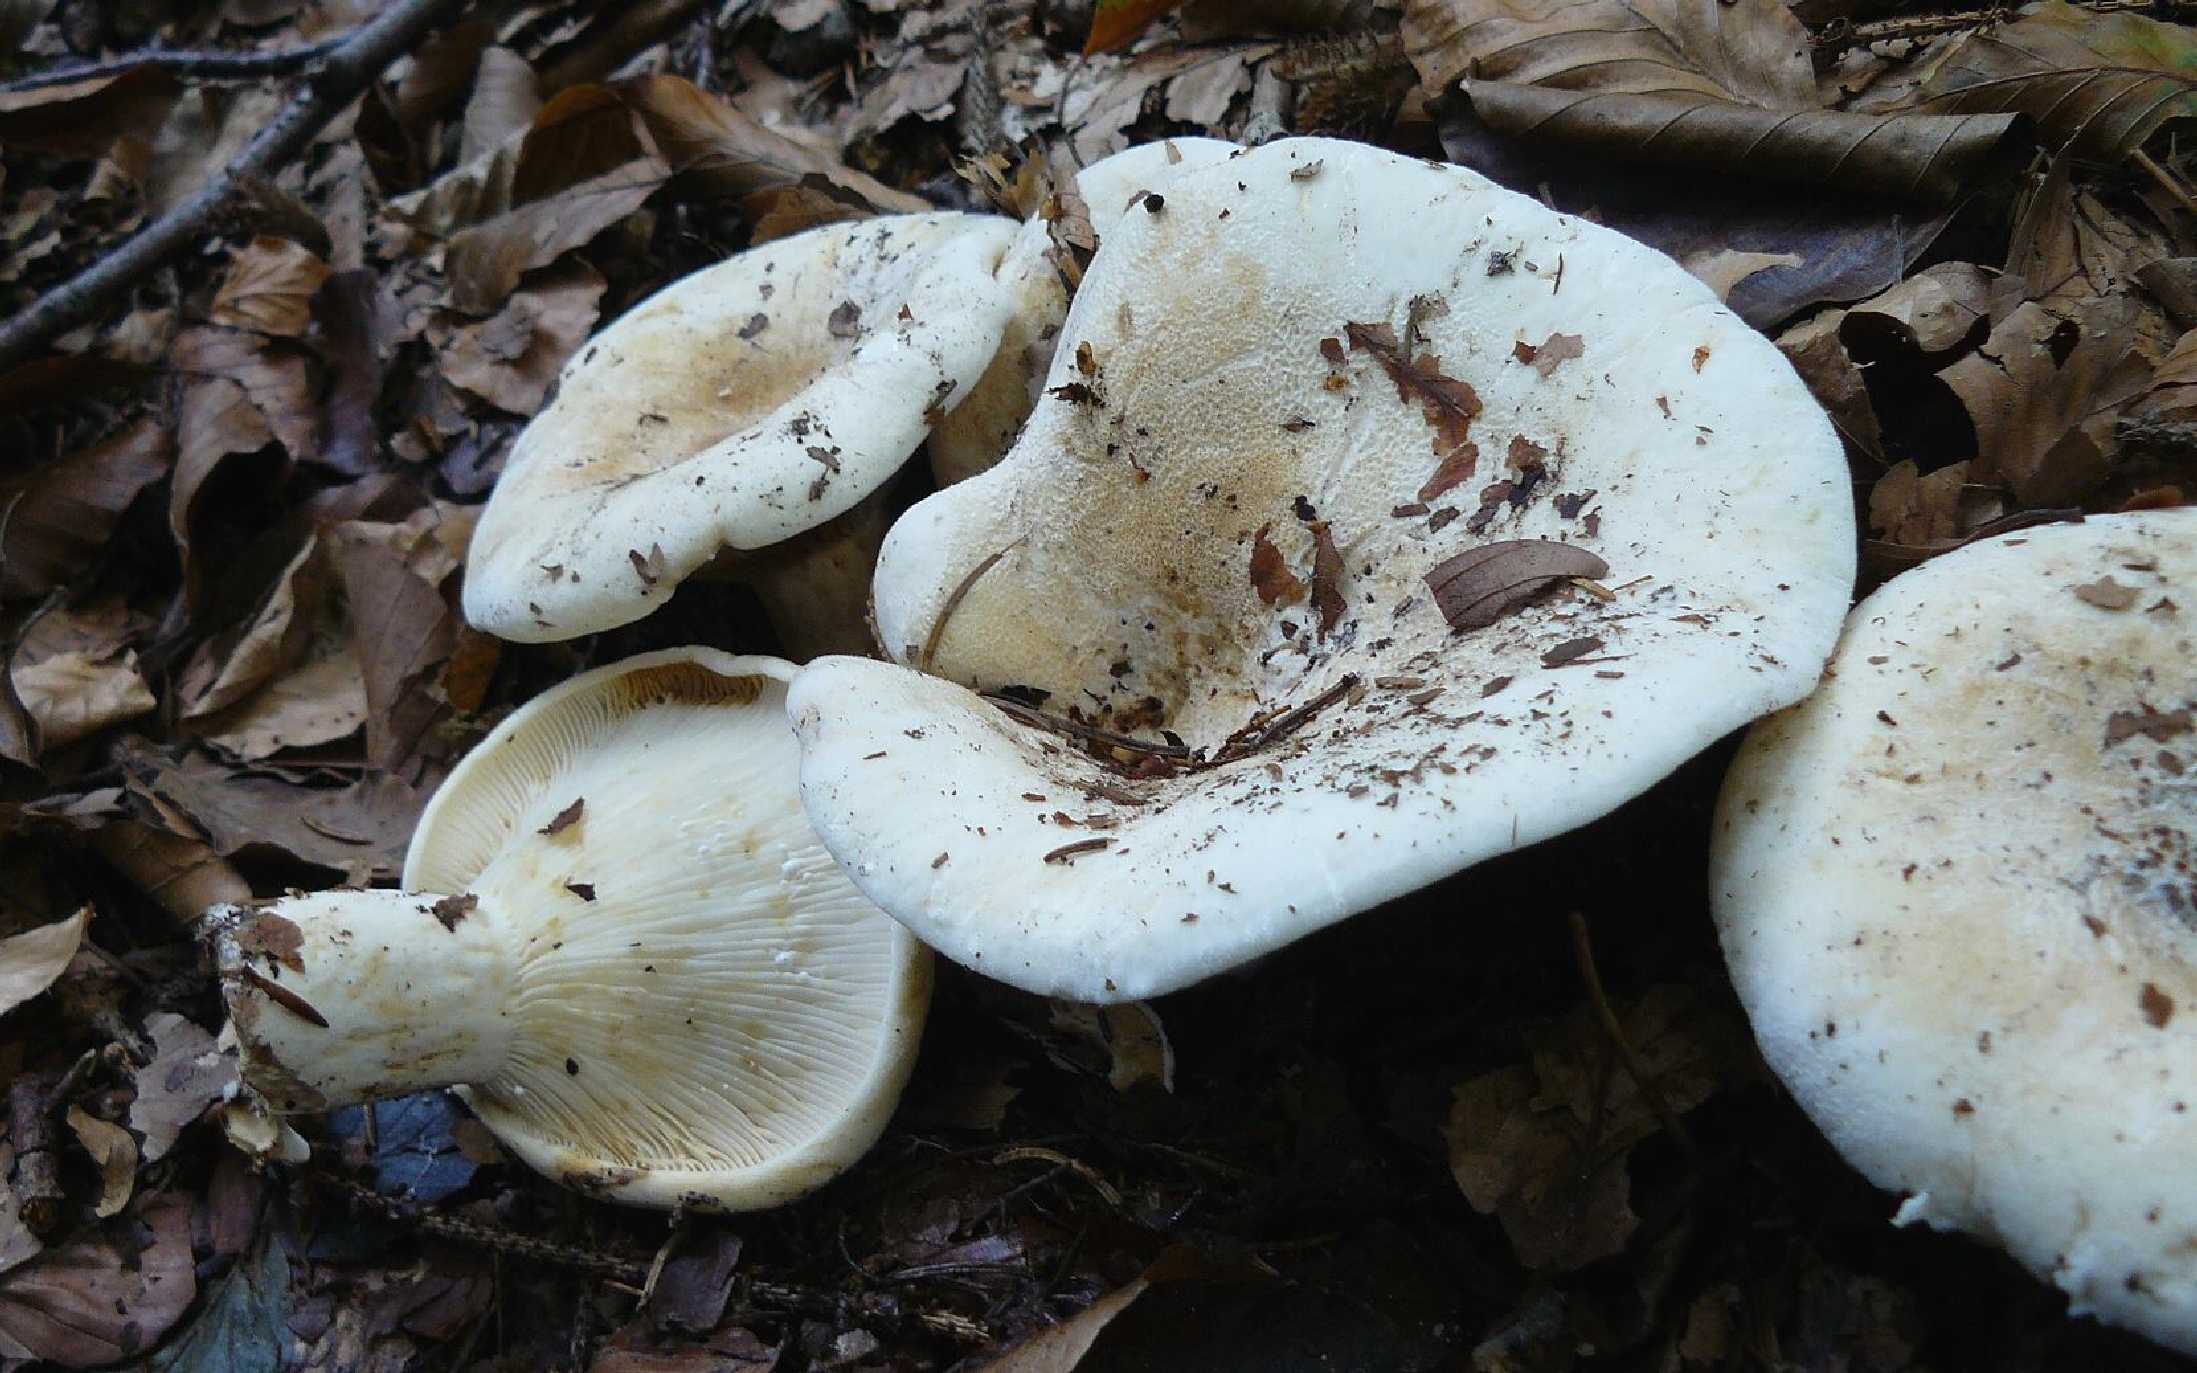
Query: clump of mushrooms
1375	521
1957	888
620	934
753	407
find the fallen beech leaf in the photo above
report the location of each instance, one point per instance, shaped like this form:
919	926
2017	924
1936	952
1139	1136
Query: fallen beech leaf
1270	576
1819	355
1129	1036
270	287
485	262
511	359
1933	158
75	694
2042	391
1722	269
1327	575
2106	594
1543	1146
506	97
403	629
1749	51
113	1152
82	119
1551	353
1906	507
1452	471
188	1073
319	703
232	664
30	961
1937	310
1481	585
2101	84
708	139
1116	23
110	1294
59	515
1450	405
273	374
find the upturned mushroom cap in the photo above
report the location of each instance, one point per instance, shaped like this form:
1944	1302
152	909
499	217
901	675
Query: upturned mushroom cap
976	434
655	981
1958	891
736	408
1223	532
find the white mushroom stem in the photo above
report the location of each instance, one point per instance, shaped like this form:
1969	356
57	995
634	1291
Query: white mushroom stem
346	996
816	587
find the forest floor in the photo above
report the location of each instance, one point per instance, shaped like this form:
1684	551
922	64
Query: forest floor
237	486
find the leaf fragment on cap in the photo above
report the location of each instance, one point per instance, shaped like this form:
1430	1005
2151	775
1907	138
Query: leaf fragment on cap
1481	585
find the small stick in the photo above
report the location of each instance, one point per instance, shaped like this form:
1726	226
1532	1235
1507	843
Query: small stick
1061	724
2171	183
37	1161
327	89
1583	947
1282	725
954	599
200	64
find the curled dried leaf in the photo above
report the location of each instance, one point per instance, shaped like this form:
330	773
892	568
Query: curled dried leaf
1481	585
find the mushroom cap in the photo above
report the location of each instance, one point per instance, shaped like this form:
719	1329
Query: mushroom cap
976	434
1150	555
1955	887
735	408
720	1019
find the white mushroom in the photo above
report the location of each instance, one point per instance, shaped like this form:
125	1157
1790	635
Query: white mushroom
976	434
1320	375
1958	891
653	979
737	409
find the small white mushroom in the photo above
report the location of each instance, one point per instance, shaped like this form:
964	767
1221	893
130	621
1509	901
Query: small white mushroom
622	936
976	433
1401	521
737	409
1958	891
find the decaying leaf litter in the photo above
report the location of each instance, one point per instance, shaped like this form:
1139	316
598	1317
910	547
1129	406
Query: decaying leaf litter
234	531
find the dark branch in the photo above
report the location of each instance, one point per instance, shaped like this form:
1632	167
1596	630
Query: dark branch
199	64
331	85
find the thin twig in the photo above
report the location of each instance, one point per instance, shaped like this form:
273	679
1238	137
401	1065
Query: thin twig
2167	180
954	599
1635	1066
199	64
1076	729
328	88
1840	33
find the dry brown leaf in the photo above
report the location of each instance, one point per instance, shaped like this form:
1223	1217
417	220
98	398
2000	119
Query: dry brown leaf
1722	269
2042	392
188	1073
57	517
506	97
113	1152
1907	507
1937	310
1481	585
1129	1036
1327	575
512	358
931	55
1270	575
216	421
30	961
82	119
322	701
75	694
1935	159
1524	1141
712	141
403	629
274	376
1749	51
486	262
270	287
170	862
358	831
1449	404
1556	350
109	1294
229	665
2100	84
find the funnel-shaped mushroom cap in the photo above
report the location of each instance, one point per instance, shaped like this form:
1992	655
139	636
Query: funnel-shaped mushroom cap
1956	890
1321	373
975	434
652	976
734	409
